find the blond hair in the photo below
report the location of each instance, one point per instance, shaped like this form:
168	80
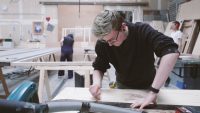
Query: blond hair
105	22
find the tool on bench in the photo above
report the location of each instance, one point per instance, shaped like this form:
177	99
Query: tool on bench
113	85
83	107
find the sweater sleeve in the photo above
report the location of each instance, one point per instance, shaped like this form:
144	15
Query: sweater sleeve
160	43
101	61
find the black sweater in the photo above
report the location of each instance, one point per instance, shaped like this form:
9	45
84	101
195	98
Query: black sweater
134	58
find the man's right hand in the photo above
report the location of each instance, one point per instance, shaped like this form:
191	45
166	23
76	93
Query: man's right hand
95	90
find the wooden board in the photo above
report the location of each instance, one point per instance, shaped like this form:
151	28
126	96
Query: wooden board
189	10
15	51
7	57
48	65
146	110
189	30
196	50
3	82
165	97
194	36
43	78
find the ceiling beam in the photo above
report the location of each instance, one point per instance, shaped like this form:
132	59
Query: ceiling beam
100	2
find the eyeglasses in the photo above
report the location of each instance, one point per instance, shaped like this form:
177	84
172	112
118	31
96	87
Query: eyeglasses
111	40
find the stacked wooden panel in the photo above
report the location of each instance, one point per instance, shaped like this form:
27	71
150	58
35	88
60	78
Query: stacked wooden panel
190	30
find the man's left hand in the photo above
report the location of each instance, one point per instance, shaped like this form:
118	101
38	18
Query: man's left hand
151	98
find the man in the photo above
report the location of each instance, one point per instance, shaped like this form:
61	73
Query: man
130	48
176	34
66	53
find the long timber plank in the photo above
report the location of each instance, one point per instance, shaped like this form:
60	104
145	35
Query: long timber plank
165	96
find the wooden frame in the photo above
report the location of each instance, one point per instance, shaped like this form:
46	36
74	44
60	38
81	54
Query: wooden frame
197	46
5	87
38	28
45	66
189	28
44	81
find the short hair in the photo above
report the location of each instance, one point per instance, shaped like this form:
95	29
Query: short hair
177	24
71	35
105	22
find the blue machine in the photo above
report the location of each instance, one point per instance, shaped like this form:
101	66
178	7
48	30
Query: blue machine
26	91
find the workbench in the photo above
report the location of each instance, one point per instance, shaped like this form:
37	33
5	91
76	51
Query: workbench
13	55
165	97
43	67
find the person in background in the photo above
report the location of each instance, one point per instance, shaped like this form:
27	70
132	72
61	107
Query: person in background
176	34
66	53
130	48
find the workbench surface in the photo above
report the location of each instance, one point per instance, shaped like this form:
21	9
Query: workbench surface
171	97
165	96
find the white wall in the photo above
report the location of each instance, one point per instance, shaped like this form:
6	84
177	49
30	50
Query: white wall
189	10
16	20
157	5
136	10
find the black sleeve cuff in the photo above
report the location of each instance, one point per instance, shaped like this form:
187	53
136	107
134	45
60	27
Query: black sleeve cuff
100	65
168	51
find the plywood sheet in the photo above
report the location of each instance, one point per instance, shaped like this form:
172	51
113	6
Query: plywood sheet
196	50
189	10
189	29
15	51
8	56
165	97
194	36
